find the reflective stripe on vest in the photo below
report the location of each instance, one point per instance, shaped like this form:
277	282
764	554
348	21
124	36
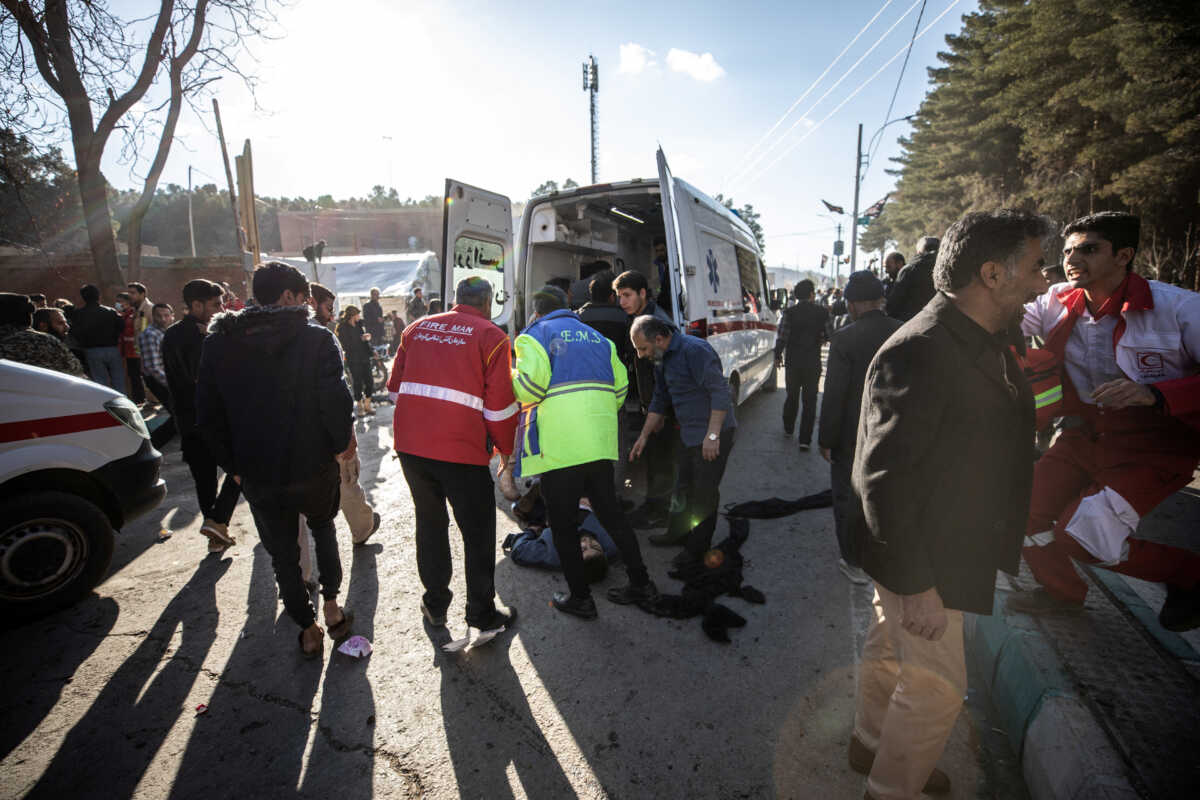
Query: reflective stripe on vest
1049	397
442	393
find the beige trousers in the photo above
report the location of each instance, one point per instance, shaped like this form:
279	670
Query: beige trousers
360	517
910	691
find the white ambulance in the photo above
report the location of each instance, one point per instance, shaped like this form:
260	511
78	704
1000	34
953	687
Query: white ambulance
75	463
714	265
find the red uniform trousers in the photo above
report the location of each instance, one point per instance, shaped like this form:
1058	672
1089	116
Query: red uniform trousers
1138	453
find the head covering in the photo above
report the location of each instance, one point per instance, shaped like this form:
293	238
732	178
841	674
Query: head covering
862	286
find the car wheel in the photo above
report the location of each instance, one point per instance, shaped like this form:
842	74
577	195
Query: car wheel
54	548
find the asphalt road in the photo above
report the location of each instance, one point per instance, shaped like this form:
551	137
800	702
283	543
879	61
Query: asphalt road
100	700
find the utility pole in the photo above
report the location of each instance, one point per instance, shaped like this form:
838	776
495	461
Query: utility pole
191	224
591	85
837	255
238	234
857	184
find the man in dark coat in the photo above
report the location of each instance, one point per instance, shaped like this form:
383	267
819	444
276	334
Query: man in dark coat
944	467
802	329
180	349
602	313
850	352
272	403
372	313
914	283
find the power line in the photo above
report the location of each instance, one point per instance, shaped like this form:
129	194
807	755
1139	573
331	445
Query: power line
804	116
850	97
814	84
896	91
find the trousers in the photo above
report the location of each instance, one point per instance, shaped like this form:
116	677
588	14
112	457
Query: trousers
360	517
214	505
1089	493
561	490
166	431
471	494
847	517
910	691
801	379
698	495
137	390
105	366
277	510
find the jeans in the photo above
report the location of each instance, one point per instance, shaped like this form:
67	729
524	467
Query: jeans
277	510
561	489
106	367
801	380
660	454
698	495
469	489
213	505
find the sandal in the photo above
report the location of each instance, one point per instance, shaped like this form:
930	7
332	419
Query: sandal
342	629
309	655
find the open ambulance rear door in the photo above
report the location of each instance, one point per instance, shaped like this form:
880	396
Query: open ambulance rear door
671	222
477	241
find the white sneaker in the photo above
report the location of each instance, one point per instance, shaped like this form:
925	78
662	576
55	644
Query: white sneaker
855	574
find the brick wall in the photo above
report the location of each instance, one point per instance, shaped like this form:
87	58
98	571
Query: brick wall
360	232
62	275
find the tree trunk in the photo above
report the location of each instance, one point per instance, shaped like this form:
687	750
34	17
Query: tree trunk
93	195
133	267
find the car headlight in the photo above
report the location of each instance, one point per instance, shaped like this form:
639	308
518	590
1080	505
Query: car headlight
128	415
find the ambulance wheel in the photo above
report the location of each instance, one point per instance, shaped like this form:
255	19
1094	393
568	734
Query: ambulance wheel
54	548
772	377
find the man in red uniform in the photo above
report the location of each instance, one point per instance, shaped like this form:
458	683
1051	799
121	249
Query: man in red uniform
452	388
1131	389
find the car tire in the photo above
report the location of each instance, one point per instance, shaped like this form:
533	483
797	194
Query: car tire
54	548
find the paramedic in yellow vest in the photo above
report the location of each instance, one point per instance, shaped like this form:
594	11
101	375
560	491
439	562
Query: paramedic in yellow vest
570	384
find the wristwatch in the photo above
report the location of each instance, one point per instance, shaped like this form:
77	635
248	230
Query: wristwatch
712	437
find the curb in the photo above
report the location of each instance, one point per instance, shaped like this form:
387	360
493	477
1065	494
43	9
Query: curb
1065	753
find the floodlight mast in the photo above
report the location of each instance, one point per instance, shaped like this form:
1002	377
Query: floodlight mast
591	85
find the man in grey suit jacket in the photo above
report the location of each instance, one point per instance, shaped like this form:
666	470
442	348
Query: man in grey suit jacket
944	466
850	352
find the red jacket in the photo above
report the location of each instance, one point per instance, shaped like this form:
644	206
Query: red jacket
453	389
129	348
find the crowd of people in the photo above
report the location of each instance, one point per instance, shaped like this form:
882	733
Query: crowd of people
928	422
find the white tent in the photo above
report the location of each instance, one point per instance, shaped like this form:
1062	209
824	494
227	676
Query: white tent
394	274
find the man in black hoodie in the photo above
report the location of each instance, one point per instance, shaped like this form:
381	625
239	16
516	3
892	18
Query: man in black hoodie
97	329
273	404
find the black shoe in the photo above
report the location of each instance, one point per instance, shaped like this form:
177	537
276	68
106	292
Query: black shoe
501	618
788	434
648	518
1040	601
804	447
630	594
568	604
1181	612
435	620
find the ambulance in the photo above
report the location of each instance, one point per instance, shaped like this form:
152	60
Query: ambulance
714	264
76	464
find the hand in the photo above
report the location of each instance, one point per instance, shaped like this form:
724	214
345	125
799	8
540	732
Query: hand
1122	393
923	614
658	426
366	337
825	454
778	361
237	479
637	448
710	449
350	451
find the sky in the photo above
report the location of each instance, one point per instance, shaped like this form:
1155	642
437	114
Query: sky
353	93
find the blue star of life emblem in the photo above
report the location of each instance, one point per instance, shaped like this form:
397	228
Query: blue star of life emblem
714	279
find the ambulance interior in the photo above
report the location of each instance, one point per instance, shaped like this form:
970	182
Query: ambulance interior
568	237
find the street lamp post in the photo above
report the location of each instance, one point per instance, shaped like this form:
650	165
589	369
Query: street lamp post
859	163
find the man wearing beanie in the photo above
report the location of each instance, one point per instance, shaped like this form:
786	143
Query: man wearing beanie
850	352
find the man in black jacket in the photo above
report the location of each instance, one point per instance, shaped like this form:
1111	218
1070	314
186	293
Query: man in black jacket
273	404
944	468
850	352
98	329
914	283
181	345
798	350
602	313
